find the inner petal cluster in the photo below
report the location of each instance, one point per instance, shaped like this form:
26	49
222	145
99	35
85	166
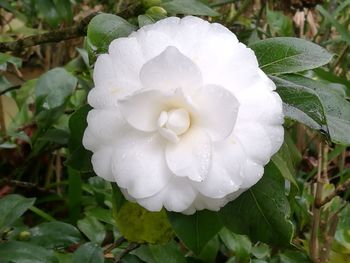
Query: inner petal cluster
174	123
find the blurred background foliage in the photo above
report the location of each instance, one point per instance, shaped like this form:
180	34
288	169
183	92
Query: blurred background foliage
54	209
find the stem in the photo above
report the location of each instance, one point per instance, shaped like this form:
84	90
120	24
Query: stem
2	119
316	212
338	190
52	36
129	248
42	214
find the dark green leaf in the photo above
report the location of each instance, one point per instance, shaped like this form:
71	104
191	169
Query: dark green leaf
301	104
6	58
337	108
194	230
47	11
54	234
104	28
93	229
88	253
24	252
80	158
210	250
262	211
188	7
288	55
12	207
53	88
158	253
55	136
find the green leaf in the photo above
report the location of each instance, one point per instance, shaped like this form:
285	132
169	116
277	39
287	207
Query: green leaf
158	253
139	225
344	32
24	252
79	158
47	11
210	250
6	58
88	253
194	230
58	136
64	9
93	229
12	207
54	87
239	244
104	28
288	55
188	7
279	23
54	234
337	108
301	104
262	211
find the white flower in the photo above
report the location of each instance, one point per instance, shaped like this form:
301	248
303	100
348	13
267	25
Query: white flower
183	117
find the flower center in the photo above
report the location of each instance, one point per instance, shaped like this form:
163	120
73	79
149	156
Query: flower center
173	123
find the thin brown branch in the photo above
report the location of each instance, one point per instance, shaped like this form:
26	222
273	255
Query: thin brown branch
112	246
129	248
52	36
27	185
316	212
2	119
338	191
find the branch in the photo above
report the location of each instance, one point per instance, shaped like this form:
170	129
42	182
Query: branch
52	36
339	190
129	248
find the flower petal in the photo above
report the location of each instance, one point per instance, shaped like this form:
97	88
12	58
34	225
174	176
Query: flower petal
139	164
255	141
191	157
217	111
171	70
142	109
252	173
101	162
177	196
224	176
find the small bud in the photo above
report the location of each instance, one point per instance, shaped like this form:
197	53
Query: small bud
156	11
24	235
150	3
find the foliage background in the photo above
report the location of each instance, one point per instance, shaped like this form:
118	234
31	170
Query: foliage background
54	209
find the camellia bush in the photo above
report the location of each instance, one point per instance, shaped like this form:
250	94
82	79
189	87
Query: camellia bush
174	131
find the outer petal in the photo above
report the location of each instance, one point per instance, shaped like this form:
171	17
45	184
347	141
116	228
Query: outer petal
177	196
104	73
101	162
127	59
169	71
255	141
224	176
142	110
191	157
217	111
252	173
139	164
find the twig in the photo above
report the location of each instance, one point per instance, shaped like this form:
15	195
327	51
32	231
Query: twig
338	190
117	243
2	119
52	36
129	248
26	185
10	89
316	213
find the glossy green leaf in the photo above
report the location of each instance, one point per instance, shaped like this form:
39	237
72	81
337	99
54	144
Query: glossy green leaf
93	229
24	252
288	55
158	253
188	7
194	230
301	104
80	158
262	211
210	250
104	28
12	207
337	108
54	87
88	253
139	225
54	234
